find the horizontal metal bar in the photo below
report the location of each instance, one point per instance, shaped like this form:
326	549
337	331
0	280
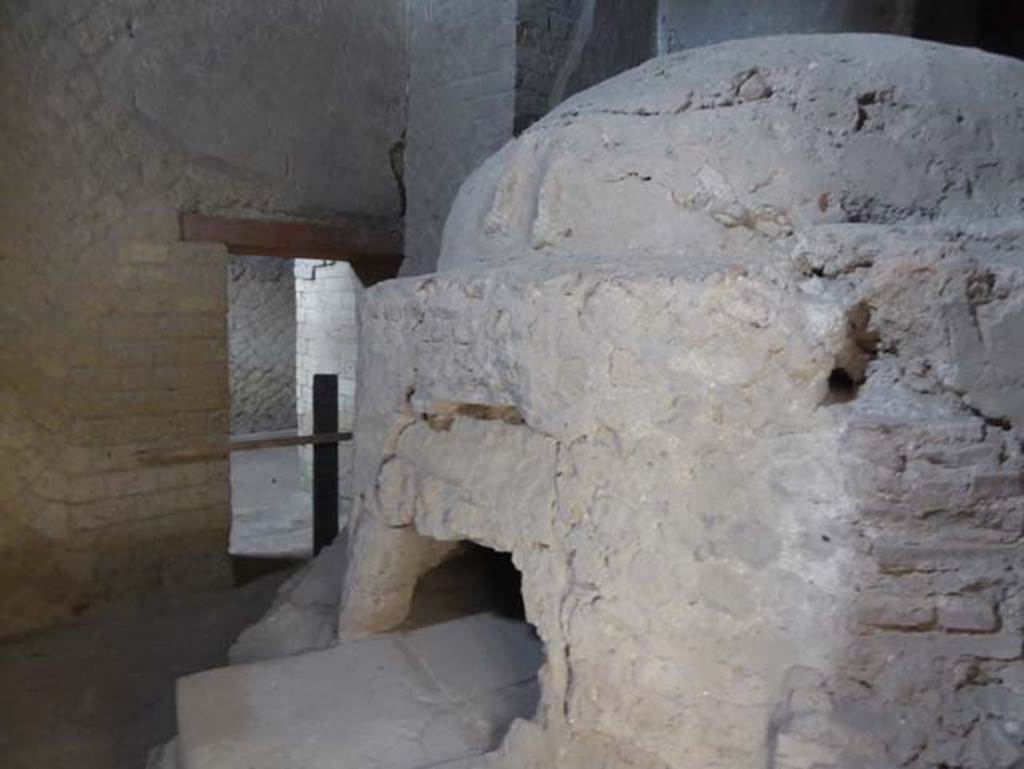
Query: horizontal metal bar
251	444
189	455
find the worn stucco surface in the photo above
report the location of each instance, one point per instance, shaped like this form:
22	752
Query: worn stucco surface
725	353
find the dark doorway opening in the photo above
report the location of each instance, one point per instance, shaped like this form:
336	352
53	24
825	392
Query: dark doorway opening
992	25
1001	27
473	601
475	580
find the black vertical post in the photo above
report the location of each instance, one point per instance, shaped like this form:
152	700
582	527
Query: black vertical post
325	461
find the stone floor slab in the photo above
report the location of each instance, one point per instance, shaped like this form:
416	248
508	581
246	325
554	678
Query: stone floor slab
404	701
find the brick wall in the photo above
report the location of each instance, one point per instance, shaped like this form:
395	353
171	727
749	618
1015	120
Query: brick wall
327	339
113	335
261	344
939	609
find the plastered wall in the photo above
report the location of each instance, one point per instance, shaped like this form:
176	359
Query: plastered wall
327	343
117	115
462	69
261	344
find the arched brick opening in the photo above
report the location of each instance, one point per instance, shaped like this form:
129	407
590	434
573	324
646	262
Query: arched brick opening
474	580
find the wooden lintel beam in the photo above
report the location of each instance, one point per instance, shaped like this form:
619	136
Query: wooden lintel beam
295	239
372	247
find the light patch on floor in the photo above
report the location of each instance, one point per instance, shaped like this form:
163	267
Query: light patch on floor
271	513
435	696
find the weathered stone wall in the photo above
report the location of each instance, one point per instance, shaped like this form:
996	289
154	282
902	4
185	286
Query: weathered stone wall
327	340
116	116
261	344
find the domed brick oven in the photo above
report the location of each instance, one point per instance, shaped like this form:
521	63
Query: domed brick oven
728	353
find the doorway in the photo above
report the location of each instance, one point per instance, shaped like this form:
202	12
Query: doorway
270	510
292	288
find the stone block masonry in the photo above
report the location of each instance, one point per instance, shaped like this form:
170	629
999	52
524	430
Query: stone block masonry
118	115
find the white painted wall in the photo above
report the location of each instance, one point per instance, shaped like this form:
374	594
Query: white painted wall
326	343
